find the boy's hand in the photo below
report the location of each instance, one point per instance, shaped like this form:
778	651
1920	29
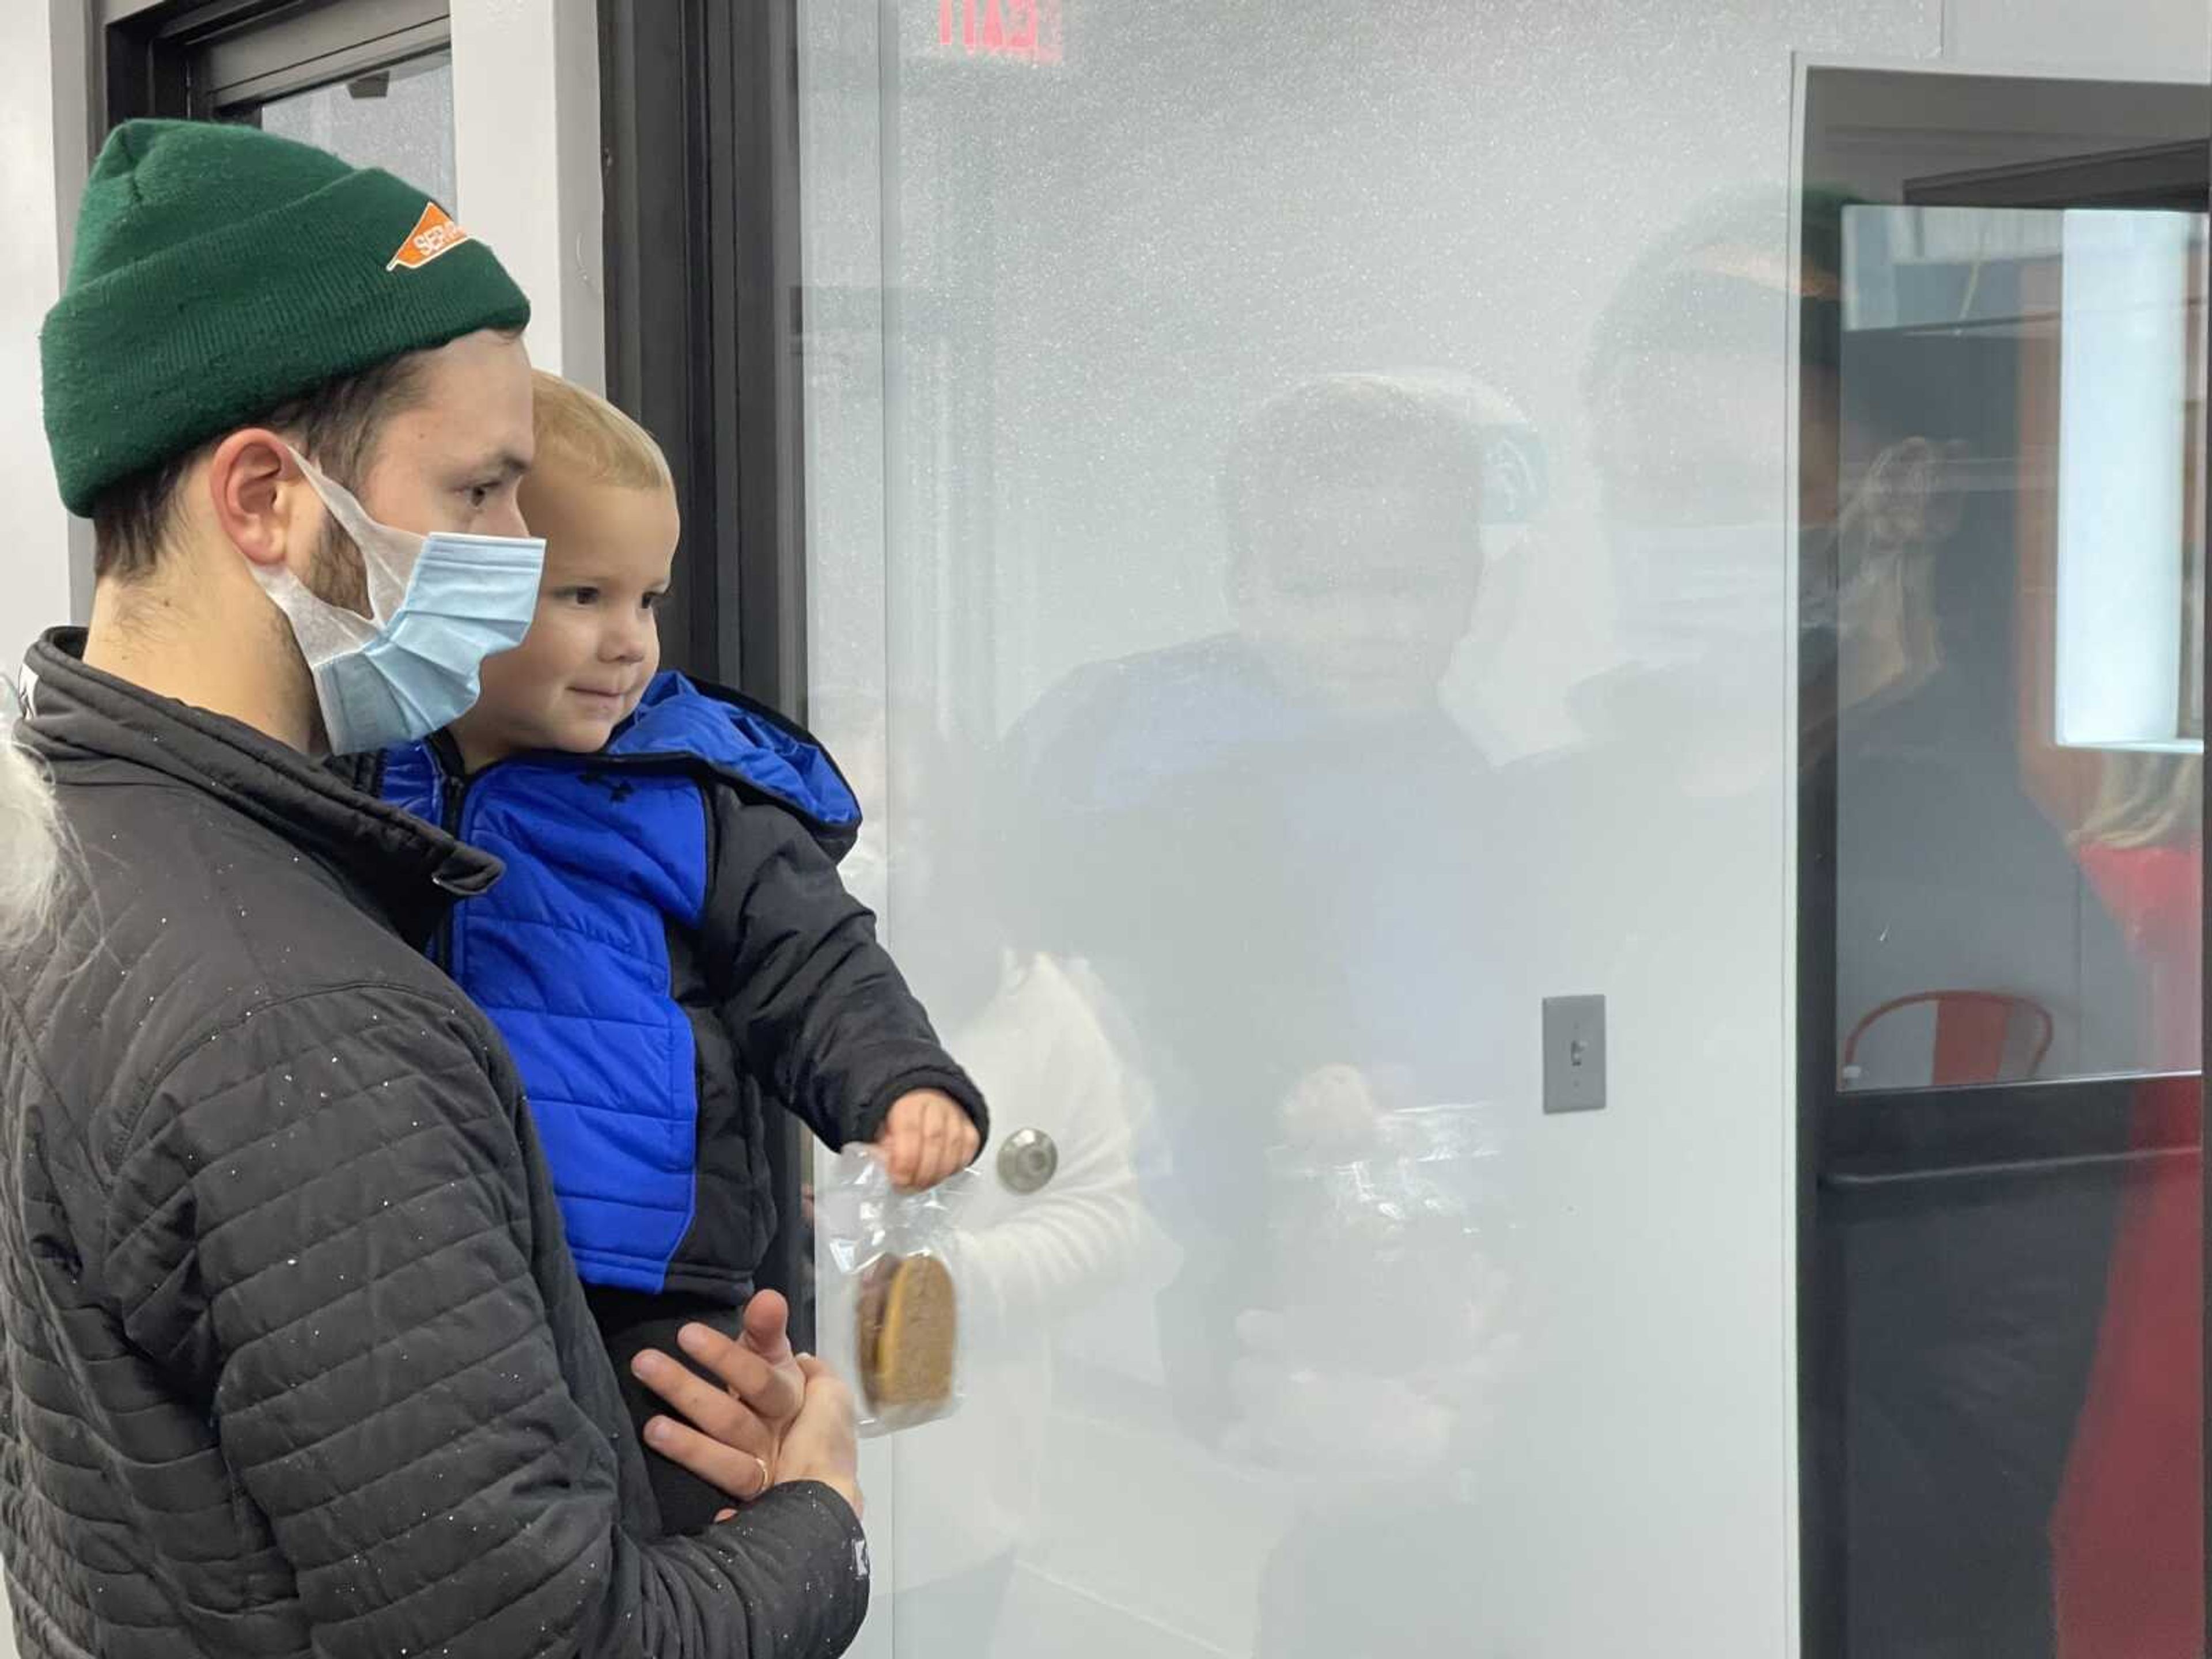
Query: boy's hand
927	1138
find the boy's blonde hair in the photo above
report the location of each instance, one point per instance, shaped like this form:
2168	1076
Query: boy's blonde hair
581	435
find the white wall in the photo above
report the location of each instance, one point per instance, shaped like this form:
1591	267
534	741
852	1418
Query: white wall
2159	39
526	147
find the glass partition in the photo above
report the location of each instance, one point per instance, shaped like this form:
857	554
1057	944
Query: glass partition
1309	531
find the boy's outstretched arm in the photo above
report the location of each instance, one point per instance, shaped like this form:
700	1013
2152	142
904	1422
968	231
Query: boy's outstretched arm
816	1007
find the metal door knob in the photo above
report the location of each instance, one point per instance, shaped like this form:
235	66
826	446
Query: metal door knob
1028	1160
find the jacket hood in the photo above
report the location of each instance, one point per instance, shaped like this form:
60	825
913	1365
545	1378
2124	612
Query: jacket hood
751	747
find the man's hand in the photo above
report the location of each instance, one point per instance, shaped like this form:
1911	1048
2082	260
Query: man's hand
927	1138
768	1334
824	1445
742	1423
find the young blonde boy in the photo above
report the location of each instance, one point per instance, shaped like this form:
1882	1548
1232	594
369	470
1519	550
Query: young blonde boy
671	944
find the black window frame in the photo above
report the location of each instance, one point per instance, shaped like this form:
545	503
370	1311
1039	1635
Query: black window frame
202	60
699	119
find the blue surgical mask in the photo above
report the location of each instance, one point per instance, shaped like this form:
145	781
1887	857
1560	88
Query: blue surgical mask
440	604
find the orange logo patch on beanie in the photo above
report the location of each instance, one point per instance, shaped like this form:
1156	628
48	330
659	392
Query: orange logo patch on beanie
434	233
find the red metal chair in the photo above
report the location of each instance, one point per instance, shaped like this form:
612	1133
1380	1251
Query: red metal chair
1975	1030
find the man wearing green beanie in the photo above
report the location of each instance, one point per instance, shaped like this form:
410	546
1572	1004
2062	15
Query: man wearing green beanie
293	1356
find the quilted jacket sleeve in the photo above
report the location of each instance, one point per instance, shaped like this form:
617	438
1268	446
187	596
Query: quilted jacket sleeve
322	1218
816	1006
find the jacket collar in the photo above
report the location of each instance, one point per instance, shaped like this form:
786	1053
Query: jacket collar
709	733
86	724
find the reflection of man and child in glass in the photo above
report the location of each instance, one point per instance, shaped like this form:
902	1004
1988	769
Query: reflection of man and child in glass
1283	1110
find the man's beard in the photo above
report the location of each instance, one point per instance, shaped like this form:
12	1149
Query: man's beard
337	576
336	573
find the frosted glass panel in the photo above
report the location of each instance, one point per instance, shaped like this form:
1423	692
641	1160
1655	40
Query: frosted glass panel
1300	565
1303	558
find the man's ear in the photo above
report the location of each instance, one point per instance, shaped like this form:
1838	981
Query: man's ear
256	491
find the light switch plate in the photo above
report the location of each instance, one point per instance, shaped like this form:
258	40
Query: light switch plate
1574	1053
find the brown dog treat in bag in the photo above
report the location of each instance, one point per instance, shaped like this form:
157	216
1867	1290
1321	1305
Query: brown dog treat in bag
908	1334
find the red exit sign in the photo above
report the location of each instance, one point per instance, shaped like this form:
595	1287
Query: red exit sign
1025	30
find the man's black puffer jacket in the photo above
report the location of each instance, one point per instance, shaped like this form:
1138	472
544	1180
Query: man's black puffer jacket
294	1358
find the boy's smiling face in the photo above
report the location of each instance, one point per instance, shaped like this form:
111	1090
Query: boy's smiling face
595	642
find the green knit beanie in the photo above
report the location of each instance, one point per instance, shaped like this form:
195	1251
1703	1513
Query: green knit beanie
220	272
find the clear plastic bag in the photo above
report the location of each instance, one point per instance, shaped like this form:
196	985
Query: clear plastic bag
889	1303
1377	1239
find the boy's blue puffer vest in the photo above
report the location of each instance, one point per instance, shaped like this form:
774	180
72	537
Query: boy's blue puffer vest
569	953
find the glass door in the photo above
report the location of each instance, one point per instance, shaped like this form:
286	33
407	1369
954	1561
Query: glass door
2003	648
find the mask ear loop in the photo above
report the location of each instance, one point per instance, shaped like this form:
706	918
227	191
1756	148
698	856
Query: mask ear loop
388	556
